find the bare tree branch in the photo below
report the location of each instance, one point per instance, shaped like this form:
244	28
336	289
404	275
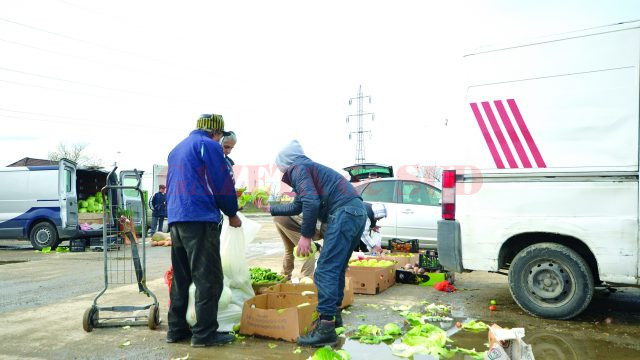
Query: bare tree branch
75	153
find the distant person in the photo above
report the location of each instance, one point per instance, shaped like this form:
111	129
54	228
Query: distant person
158	204
228	142
322	193
199	188
375	212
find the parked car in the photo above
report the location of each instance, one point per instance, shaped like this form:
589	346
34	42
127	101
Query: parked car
413	209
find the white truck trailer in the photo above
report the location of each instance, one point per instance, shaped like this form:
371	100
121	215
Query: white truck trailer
550	187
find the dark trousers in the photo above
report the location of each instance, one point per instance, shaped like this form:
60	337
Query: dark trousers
345	227
195	256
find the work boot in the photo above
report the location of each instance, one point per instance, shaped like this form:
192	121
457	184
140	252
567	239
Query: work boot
324	333
174	337
219	339
338	319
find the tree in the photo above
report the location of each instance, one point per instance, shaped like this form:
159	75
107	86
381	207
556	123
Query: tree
76	153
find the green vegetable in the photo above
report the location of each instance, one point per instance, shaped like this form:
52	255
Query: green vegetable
326	353
62	249
311	253
260	196
475	325
392	329
433	309
340	330
272	346
370	334
422	339
298	350
264	276
46	249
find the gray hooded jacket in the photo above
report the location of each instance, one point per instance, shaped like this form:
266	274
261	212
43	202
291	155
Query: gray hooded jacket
319	190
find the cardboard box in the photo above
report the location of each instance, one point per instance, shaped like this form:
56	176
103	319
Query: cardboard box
277	316
371	280
402	260
90	218
299	288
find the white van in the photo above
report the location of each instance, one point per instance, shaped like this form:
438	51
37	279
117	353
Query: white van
549	190
40	203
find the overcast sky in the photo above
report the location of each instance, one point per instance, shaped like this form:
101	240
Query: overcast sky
130	78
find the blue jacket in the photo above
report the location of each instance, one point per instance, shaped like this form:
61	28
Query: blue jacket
159	204
198	181
319	192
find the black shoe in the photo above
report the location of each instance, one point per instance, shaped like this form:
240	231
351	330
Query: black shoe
178	337
323	334
338	319
218	340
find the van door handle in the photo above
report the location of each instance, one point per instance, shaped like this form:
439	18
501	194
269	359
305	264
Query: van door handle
407	211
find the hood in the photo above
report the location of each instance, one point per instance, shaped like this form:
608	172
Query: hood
288	155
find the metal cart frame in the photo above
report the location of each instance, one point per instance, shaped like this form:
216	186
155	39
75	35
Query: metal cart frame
117	267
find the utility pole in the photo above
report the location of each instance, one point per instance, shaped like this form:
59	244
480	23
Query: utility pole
360	131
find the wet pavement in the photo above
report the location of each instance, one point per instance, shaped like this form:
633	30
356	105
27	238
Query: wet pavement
43	297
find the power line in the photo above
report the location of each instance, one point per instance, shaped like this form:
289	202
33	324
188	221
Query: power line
84	124
127	52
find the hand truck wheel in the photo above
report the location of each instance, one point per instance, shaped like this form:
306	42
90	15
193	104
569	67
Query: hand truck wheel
88	319
154	317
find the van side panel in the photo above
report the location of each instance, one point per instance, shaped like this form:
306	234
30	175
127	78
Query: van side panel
574	102
601	214
26	196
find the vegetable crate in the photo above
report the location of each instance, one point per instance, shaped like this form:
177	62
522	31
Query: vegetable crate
409	246
429	260
77	245
122	265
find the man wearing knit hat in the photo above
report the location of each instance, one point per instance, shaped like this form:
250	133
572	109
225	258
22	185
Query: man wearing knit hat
199	187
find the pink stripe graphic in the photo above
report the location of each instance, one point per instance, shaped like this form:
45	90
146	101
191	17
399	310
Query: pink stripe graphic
525	132
487	137
501	139
512	134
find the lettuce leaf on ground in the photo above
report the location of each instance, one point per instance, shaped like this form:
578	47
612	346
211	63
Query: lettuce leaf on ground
475	325
326	353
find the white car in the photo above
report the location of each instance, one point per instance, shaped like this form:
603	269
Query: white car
413	209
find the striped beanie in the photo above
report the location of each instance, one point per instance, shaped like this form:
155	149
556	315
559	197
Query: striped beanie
210	122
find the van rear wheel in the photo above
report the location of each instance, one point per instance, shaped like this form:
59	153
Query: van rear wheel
43	234
551	281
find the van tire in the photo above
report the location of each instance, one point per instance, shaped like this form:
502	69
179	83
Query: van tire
550	280
43	234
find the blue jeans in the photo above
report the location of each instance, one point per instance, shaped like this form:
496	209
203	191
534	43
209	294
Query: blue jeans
156	223
345	227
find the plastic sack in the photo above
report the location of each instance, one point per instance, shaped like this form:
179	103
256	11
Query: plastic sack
223	303
233	250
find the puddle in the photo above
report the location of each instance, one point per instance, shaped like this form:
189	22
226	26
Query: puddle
6	262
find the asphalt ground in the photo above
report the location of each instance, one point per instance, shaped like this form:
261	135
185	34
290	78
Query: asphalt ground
43	298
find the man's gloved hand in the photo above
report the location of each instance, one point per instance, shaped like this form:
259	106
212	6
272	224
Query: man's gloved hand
235	221
304	246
